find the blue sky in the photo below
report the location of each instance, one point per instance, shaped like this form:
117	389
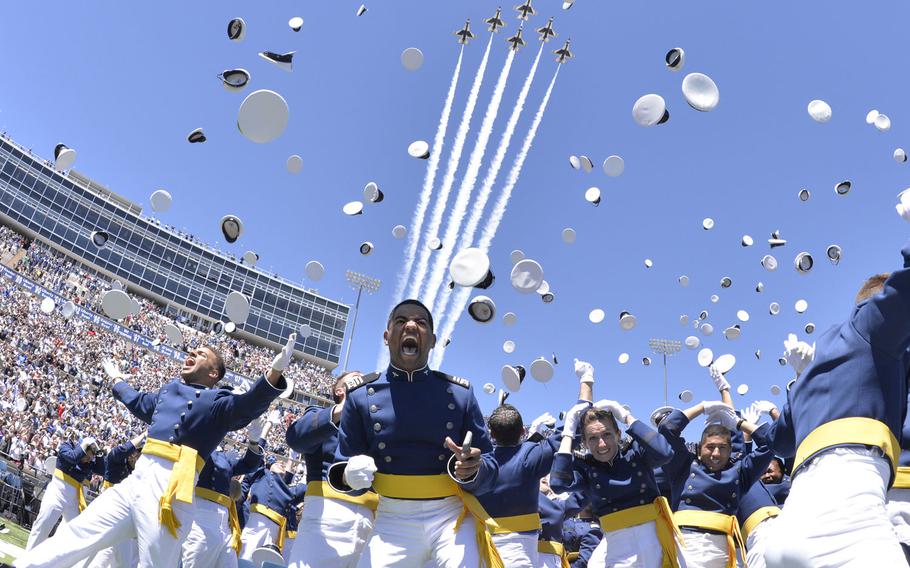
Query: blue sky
124	84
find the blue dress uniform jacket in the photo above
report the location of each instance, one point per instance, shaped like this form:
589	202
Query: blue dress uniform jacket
755	498
694	486
243	507
316	437
116	468
222	466
554	512
193	415
860	370
574	530
588	544
520	470
780	491
271	489
401	420
68	456
627	482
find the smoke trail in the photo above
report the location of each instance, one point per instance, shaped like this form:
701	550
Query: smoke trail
499	210
424	200
441	262
467	236
449	178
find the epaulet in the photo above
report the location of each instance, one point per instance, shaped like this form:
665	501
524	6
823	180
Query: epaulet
357	381
453	379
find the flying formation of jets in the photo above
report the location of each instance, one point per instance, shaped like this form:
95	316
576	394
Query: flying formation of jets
525	11
464	34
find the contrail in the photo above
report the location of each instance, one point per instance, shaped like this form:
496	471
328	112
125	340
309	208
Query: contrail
499	210
449	178
441	262
467	236
424	199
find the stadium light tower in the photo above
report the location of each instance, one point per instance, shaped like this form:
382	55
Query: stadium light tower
665	347
360	282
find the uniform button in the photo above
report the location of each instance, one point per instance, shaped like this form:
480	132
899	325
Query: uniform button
693	475
449	390
639	474
182	415
690	488
442	457
734	495
176	426
451	406
373	408
634	464
737	482
597	486
171	439
449	425
641	501
388	459
198	394
381	445
642	490
189	404
164	392
603	498
377	427
688	500
370	391
156	411
594	474
615	509
643	485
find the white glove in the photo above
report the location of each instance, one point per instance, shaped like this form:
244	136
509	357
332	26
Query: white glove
712	405
722	415
86	443
751	414
584	371
719	380
283	359
358	474
112	370
254	430
573	415
798	353
614	408
274	416
763	407
542	424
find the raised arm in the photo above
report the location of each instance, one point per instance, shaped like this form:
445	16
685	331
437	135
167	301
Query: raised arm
585	373
140	404
252	459
307	433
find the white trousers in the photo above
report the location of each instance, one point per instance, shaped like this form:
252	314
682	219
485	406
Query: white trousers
757	542
410	533
331	534
126	510
632	547
517	550
899	512
258	532
208	543
547	560
60	498
835	515
124	554
705	550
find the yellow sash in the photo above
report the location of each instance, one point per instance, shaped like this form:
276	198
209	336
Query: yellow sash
668	533
437	487
757	517
323	489
106	484
276	518
182	481
73	483
856	430
571	557
292	534
719	522
902	479
513	524
233	519
555	548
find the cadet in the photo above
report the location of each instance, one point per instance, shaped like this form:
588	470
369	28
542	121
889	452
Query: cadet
64	496
842	422
554	511
334	526
393	428
707	488
187	420
270	504
756	515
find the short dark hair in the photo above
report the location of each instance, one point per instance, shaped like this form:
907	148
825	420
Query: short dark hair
506	425
219	362
411	302
716	430
872	286
597	415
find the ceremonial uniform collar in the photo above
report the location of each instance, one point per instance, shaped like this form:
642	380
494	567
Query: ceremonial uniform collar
395	374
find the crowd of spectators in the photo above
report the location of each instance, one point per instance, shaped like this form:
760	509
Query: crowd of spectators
52	385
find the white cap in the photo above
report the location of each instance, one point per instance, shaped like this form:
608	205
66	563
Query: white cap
742	389
314	270
263	116
801	306
758	353
267	555
692	342
482	309
512	376
705	357
775	390
683	280
362	10
294	164
172	332
623	358
700	92
810	327
47	305
685	396
782	362
714	298
116	304
295	23
733	332
675	59
547	297
596	315
726	282
725	363
769	263
870	116
419	149
372	193
707	329
649	263
803	262
399	231
489	388
470	267
160	200
250	258
684	319
707	224
646	361
352	208
231	228
568	235
68	309
236	307
197	136
592	196
541	370
774	308
412	59
626	321
614	166
834	253
230	327
775	242
882	123
899	155
516	256
526	276
234	80
747	241
586	164
100	238
575	162
843	188
804	194
366	248
236	29
703	315
650	110
760	287
284	61
742	315
304	331
819	110
435	243
509	318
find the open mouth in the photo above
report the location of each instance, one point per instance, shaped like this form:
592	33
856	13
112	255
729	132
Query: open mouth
409	347
189	362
